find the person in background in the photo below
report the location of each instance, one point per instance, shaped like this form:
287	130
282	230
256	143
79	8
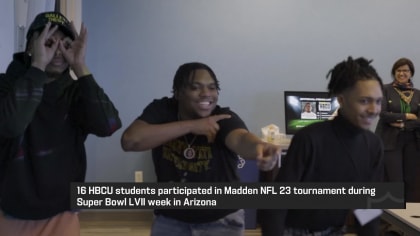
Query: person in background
399	128
46	116
307	112
193	139
339	150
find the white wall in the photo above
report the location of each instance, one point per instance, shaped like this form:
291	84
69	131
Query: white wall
15	18
257	48
6	33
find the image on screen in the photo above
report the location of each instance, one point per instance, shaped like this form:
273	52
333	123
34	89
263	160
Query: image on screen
303	108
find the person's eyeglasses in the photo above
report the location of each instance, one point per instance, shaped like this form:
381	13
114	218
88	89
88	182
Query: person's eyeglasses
402	71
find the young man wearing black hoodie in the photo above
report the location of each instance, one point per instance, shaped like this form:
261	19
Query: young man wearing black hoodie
46	116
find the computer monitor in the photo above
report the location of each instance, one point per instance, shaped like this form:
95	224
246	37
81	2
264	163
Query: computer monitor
303	108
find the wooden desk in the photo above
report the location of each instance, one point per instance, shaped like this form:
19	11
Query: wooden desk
403	218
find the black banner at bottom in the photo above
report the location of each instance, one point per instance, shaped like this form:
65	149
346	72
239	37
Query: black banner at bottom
237	195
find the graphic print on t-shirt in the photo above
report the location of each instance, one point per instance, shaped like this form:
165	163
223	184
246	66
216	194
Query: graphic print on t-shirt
173	151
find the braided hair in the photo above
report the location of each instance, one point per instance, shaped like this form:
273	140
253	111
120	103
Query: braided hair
185	74
347	73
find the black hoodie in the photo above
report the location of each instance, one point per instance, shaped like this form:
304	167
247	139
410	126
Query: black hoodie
43	127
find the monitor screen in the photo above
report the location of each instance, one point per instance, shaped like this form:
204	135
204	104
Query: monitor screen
303	108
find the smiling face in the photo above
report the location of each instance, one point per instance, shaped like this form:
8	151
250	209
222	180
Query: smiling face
403	74
362	103
199	97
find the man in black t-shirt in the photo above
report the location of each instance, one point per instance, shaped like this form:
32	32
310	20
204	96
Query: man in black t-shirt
195	140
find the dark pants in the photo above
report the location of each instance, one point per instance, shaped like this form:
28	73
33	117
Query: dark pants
403	164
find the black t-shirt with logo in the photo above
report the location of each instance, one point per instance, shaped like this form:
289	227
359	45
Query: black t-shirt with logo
212	162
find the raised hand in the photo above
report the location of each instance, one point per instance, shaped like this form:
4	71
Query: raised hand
74	51
43	47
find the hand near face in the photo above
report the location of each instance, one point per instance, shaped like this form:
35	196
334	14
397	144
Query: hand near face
208	126
43	47
74	51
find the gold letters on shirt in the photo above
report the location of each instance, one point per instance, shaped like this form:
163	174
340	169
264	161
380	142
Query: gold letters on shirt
174	151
